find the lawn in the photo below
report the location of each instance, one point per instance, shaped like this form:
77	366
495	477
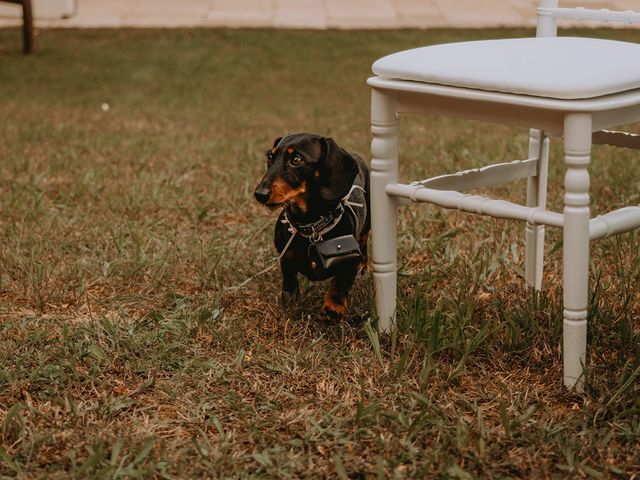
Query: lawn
128	162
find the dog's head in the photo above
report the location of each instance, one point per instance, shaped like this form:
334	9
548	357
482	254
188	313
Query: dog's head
303	167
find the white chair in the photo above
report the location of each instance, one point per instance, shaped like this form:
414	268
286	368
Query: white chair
575	88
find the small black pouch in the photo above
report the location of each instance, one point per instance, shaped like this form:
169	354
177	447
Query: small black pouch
336	252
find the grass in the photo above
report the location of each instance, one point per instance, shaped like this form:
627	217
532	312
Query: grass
122	355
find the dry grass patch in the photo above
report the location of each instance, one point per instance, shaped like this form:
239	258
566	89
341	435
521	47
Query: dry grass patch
124	354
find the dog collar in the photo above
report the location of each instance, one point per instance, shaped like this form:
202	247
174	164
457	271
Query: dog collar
315	230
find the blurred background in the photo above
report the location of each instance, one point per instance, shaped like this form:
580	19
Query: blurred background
317	14
314	14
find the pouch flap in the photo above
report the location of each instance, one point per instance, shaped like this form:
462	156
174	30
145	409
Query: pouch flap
338	246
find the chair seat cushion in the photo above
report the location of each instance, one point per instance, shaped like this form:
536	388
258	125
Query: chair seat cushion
552	67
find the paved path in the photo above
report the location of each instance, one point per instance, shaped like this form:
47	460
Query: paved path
316	14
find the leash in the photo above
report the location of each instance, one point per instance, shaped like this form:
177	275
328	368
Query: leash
264	270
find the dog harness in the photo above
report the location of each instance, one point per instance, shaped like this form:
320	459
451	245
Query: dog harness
314	231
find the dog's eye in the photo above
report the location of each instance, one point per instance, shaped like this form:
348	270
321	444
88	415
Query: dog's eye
296	160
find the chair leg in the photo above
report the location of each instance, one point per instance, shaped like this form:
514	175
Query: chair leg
536	197
27	26
384	170
577	147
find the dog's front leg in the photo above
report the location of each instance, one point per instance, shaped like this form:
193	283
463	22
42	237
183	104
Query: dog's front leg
335	299
290	286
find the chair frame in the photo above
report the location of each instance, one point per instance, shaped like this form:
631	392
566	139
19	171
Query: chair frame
27	24
581	123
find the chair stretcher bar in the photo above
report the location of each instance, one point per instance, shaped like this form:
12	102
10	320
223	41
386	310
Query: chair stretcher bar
488	176
615	222
612	223
600	15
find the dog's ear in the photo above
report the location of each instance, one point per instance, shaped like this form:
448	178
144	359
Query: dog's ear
338	170
276	142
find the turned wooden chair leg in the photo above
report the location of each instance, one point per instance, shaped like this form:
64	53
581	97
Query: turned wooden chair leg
384	170
536	198
577	148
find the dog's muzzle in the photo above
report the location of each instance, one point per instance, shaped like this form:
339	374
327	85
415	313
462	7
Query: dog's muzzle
262	194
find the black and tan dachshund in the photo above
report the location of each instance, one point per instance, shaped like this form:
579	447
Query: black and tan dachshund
323	191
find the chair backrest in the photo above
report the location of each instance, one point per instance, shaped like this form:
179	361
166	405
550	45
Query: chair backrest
548	11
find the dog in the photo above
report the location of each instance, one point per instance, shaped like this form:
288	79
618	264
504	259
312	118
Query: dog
323	191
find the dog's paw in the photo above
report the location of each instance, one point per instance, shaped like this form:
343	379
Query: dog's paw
332	311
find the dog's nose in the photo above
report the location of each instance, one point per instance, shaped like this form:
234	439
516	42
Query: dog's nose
262	194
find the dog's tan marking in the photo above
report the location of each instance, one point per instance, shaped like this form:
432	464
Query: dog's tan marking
290	150
301	203
330	306
316	173
282	192
273	151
